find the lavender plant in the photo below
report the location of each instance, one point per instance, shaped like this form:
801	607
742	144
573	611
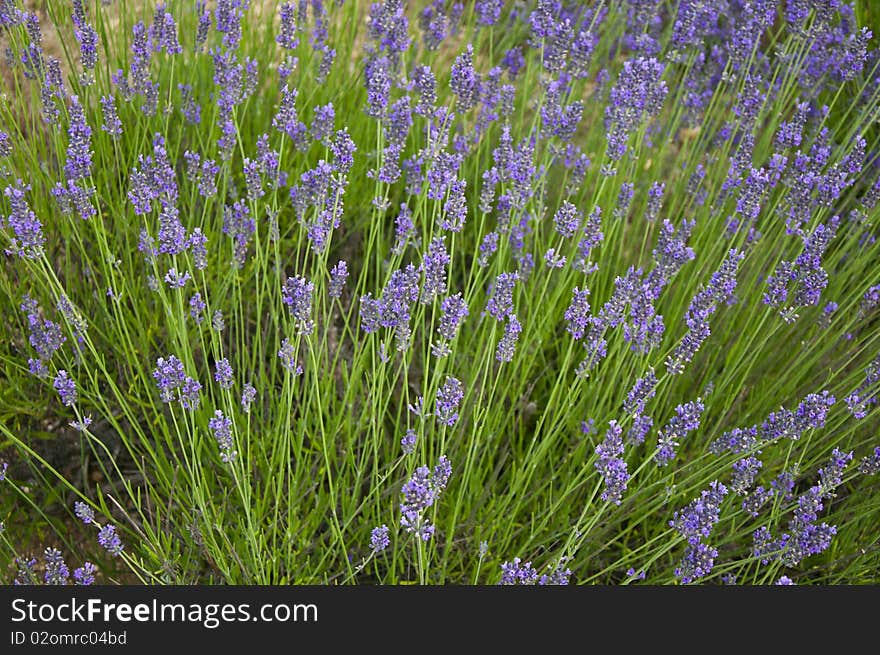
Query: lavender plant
537	292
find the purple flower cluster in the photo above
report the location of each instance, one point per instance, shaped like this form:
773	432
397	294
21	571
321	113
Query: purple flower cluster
240	226
379	539
611	464
28	240
695	523
870	464
419	493
338	276
434	270
223	373
500	303
408	442
297	295
637	96
686	419
696	520
110	540
805	273
65	387
811	413
221	427
805	535
394	307
449	398
867	394
44	335
287	355
170	378
720	289
453	312
519	573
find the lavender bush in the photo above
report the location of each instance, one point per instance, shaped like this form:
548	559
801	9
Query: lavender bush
519	292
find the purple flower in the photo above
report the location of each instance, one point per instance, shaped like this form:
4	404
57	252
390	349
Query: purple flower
756	500
111	125
745	470
593	236
870	464
66	388
378	83
394	307
643	390
45	336
640	428
287	355
109	540
286	119
83	512
611	464
449	397
488	11
388	28
26	574
28	241
87	38
196	307
221	427
805	273
297	294
288	38
32	57
223	374
488	247
169	375
453	313
253	179
79	154
164	32
379	540
697	519
517	573
578	313
419	493
189	394
238	224
567	219
56	571
85	575
425	84
500	302
177	280
507	345
637	96
697	562
5	145
343	149
338	276
686	419
465	81
670	255
434	269
322	124
720	289
248	395
408	442
455	208
860	401
831	475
